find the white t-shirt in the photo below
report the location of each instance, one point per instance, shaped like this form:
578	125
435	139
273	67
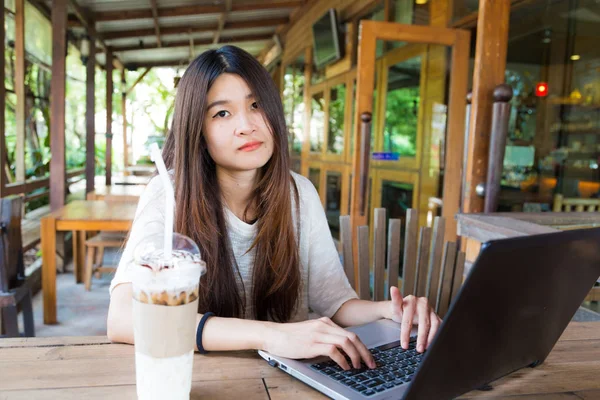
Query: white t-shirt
324	286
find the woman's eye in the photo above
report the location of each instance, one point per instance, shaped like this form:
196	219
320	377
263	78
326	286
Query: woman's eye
221	114
255	105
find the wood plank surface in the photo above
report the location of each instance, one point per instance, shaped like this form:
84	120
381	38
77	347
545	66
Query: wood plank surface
91	368
130	192
95	215
286	387
247	389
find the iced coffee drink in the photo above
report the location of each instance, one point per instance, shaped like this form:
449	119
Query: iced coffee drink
165	304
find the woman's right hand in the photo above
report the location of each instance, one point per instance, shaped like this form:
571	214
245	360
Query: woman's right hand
319	337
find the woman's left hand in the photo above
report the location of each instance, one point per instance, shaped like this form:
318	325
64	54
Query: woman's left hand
414	310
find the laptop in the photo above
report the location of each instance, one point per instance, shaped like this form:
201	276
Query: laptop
518	298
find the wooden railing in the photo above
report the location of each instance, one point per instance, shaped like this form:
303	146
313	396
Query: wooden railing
73	176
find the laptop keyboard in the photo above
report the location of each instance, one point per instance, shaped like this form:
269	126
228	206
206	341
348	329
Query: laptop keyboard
395	366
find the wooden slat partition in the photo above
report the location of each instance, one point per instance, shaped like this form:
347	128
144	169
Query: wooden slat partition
393	253
379	254
410	253
442	302
422	261
363	263
435	260
457	280
348	257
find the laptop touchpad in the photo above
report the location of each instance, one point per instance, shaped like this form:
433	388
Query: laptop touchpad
379	332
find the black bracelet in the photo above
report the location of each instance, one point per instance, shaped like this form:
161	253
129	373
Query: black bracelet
199	331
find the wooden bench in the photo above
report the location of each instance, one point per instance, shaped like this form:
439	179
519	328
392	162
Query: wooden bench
30	227
30	224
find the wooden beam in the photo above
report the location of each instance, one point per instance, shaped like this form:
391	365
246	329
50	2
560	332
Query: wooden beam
90	125
138	80
197	42
112	35
222	19
177	62
155	19
20	113
109	93
192	10
88	24
57	105
490	64
2	107
124	114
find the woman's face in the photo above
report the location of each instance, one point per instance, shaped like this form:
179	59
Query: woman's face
237	134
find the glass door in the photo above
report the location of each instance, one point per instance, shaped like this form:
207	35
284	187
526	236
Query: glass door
413	153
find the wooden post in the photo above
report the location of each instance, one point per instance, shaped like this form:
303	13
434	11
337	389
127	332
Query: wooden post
2	106
490	64
20	88
109	93
57	105
90	111
124	112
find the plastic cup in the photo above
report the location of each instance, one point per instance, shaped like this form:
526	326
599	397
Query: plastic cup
165	304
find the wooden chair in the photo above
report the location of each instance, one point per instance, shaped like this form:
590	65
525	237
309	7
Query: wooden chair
562	204
95	246
95	255
431	268
14	288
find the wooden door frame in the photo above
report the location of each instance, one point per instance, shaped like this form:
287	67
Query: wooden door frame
458	40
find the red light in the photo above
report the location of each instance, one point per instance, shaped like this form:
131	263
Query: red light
541	89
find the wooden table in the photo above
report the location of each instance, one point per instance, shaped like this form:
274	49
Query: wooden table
117	193
476	229
78	216
92	367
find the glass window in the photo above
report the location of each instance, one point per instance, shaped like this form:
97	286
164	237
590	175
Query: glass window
293	103
333	200
402	108
337	102
553	143
314	175
317	122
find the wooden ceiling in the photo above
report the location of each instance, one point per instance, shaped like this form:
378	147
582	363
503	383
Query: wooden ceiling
146	33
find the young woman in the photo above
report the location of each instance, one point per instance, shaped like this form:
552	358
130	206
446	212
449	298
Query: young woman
261	229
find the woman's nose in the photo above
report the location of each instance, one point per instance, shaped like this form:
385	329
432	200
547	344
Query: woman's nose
245	124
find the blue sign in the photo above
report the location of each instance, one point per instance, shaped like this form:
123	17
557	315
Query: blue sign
386	156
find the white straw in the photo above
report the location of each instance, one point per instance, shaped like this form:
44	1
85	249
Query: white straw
156	157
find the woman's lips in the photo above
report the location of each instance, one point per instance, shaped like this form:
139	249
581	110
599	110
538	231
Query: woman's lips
250	146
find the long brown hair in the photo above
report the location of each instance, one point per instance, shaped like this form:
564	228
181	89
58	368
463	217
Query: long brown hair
199	213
